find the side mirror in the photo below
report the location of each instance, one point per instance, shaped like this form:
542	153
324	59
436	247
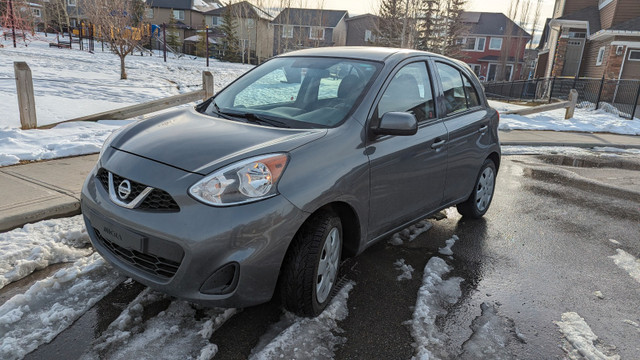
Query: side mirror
397	123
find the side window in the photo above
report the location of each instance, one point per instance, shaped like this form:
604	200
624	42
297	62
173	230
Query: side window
409	91
472	95
454	94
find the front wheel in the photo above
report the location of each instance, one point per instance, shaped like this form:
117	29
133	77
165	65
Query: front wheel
311	265
478	202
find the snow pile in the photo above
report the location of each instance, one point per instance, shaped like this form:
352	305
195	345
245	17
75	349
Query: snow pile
581	338
68	139
411	233
584	120
434	296
307	338
447	249
627	262
177	331
407	270
36	246
491	335
51	305
566	150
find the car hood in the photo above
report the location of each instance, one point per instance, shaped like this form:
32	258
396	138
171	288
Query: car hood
199	143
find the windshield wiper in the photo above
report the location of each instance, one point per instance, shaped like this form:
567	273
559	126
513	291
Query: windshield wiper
261	119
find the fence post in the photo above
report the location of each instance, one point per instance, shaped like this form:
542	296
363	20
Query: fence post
573	100
26	98
207	84
635	107
553	81
600	93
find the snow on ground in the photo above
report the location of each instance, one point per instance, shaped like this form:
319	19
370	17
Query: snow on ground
584	120
68	139
491	334
409	234
50	305
447	249
73	83
582	342
627	262
406	269
305	338
566	150
179	331
36	246
434	296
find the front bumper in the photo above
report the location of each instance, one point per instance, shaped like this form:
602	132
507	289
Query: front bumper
178	252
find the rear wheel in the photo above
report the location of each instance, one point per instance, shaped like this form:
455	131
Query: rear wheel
478	202
310	267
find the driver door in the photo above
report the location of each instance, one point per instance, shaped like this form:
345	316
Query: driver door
407	172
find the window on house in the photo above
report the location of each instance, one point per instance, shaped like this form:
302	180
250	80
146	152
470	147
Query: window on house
36	12
316	33
474	44
71	2
287	31
251	23
149	13
634	55
476	69
600	56
178	14
368	36
495	44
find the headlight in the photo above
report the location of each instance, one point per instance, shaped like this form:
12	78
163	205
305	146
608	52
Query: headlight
245	181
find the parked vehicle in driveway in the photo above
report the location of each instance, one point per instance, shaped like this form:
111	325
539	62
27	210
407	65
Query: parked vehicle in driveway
306	159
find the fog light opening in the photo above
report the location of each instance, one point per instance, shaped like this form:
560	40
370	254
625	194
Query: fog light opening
222	281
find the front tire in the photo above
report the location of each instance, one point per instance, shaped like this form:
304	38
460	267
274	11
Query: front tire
478	202
310	268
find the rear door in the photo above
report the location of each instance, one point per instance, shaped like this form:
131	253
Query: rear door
407	172
467	121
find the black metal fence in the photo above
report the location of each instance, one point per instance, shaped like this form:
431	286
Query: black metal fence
617	96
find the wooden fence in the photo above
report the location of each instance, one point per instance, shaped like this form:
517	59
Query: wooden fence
27	106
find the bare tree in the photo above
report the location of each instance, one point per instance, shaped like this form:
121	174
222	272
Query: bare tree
121	23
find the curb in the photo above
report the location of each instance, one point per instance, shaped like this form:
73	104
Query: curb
70	208
578	145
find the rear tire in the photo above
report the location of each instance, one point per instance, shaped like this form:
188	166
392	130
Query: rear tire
310	268
478	202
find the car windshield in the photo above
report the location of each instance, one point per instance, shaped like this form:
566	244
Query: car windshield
297	92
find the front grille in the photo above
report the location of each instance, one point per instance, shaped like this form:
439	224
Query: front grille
156	200
148	263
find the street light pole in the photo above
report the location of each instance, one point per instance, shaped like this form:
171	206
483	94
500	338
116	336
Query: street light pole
13	22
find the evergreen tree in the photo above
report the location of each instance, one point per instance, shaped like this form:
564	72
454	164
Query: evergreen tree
173	36
391	14
430	32
229	46
456	29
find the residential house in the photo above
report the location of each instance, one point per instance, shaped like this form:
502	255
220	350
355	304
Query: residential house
362	30
189	14
295	29
253	29
494	46
592	38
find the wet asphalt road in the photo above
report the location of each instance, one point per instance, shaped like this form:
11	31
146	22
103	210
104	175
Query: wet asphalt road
542	250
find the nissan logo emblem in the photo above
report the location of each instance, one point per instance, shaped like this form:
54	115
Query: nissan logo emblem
124	189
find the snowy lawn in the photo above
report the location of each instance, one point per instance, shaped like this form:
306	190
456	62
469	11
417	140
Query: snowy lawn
584	120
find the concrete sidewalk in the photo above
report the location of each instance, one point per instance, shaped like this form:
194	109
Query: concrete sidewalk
49	189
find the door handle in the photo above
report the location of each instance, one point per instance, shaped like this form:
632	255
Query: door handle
438	144
483	129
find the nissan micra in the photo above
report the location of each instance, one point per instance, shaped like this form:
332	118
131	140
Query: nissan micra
306	159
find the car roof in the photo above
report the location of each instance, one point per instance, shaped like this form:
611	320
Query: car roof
359	52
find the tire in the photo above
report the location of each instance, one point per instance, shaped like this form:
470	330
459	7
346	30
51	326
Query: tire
310	268
478	202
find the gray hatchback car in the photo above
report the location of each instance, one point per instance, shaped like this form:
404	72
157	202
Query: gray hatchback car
310	157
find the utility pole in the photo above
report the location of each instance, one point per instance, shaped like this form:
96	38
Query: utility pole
13	22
